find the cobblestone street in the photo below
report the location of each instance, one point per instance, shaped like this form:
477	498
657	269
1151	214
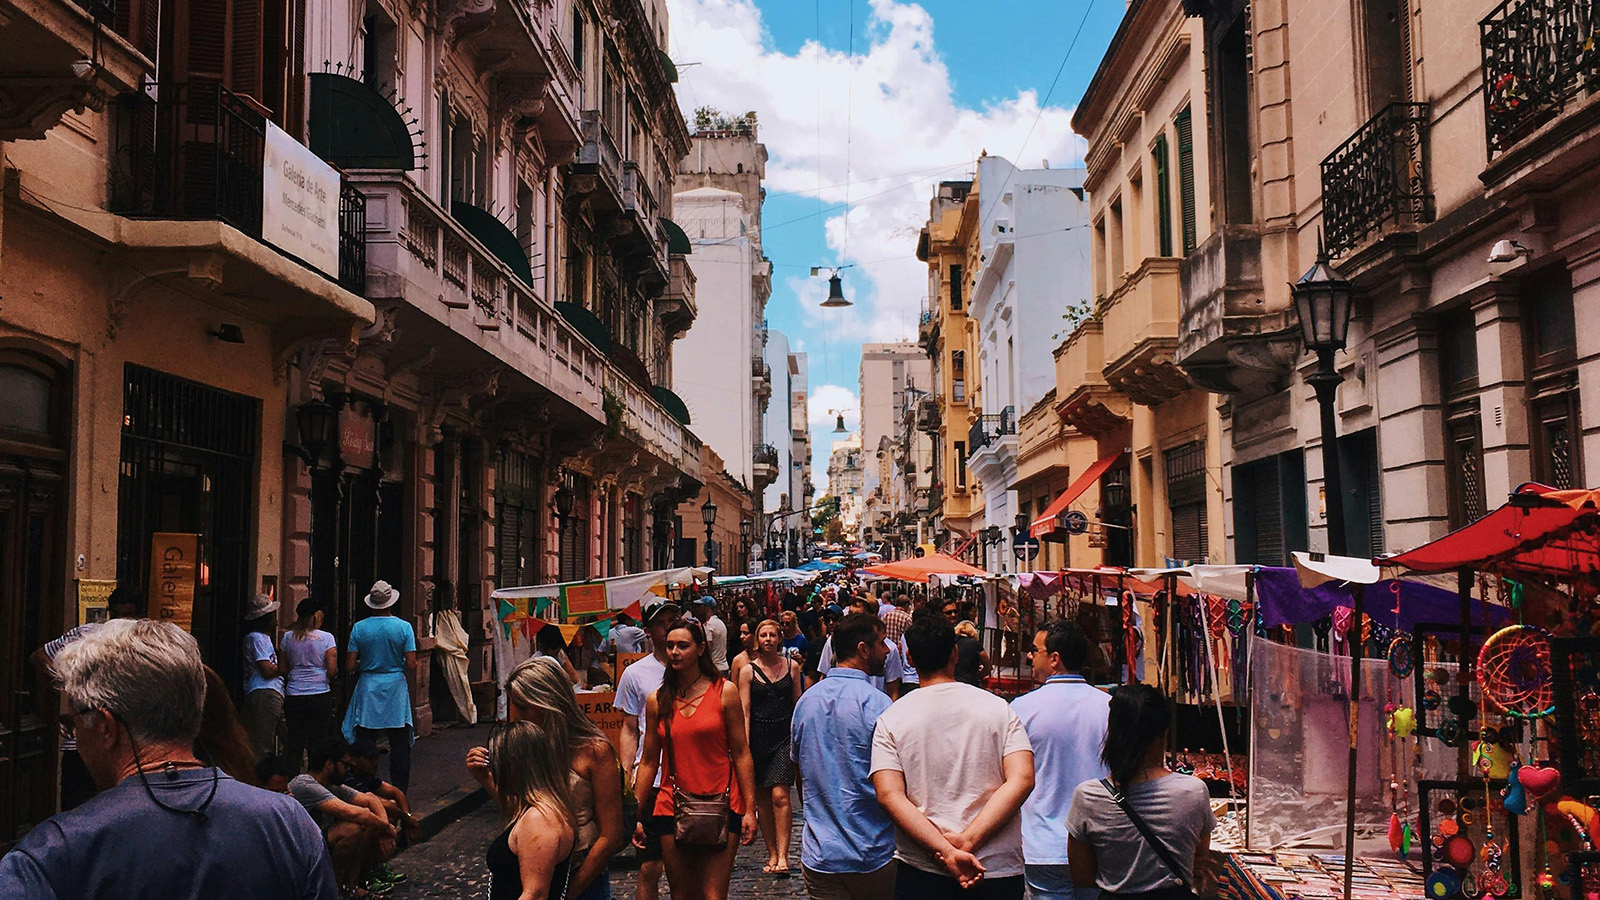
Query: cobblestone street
451	866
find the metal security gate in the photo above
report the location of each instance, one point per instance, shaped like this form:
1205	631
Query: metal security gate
516	520
188	466
1186	498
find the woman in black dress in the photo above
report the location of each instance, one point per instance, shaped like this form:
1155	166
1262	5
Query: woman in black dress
533	856
769	686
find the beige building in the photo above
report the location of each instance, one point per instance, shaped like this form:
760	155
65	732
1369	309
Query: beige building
846	480
403	314
945	335
890	373
1414	142
1144	118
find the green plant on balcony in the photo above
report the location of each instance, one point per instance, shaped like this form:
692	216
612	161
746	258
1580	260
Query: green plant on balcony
615	413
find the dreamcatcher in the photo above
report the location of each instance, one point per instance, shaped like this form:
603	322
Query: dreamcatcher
1515	674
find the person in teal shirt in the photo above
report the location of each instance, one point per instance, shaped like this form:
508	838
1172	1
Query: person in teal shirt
383	652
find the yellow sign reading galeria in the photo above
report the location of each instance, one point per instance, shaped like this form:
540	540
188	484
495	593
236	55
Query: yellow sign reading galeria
172	577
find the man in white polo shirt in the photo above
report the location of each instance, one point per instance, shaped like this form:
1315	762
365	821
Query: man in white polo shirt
1065	718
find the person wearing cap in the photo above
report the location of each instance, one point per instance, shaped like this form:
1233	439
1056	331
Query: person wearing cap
310	659
716	632
362	775
638	684
262	709
383	651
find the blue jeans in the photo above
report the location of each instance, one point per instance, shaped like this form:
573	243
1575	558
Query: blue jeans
1055	883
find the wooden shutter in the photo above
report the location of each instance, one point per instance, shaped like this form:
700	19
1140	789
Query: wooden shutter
1186	498
1158	155
204	38
245	64
1189	532
1268	512
1186	178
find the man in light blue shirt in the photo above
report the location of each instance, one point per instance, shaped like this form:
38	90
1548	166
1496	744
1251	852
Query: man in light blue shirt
847	849
1065	718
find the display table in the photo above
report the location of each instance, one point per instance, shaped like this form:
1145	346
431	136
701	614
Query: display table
1284	875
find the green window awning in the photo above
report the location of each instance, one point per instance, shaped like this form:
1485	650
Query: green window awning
355	127
668	67
673	403
494	234
677	240
587	324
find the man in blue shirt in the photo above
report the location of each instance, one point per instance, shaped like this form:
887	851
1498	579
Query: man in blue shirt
847	849
1065	718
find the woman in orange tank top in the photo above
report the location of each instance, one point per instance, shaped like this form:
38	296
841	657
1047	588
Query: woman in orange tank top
700	713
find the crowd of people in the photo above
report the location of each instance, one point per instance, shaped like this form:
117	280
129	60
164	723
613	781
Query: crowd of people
868	713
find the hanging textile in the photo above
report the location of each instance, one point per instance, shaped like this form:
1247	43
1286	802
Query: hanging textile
452	643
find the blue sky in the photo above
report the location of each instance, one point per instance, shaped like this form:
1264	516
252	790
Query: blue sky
928	86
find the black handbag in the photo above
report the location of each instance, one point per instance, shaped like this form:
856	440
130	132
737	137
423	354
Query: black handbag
698	820
1183	890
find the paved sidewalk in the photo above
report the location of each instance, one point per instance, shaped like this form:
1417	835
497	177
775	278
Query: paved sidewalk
441	790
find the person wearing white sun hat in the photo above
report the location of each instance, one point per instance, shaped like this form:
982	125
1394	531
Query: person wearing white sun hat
383	652
262	709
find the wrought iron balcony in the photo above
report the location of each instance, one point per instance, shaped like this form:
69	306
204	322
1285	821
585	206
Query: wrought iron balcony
1537	55
599	165
1377	178
991	427
194	150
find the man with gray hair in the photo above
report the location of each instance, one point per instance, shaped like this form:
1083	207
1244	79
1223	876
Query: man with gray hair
164	824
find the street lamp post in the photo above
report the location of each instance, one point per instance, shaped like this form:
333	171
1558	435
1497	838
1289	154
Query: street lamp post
746	529
708	514
1323	301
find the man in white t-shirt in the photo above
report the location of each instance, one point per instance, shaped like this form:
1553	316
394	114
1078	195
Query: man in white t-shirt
895	669
716	632
952	765
1065	717
634	688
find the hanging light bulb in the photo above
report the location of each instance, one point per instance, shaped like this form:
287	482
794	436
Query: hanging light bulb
835	293
838	424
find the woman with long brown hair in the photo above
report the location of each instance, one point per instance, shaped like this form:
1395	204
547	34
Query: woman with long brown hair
694	725
532	858
538	691
769	688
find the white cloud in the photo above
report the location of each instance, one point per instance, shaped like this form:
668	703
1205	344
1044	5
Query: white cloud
905	133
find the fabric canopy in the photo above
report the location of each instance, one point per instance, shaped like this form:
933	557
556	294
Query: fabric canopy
1046	522
919	568
1541	531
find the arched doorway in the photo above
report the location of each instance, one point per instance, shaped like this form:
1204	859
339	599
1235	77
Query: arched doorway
34	437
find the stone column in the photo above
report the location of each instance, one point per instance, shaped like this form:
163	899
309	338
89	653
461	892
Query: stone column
1411	434
1586	311
1502	392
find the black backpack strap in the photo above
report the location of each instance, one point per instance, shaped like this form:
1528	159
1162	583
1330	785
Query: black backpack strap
1149	836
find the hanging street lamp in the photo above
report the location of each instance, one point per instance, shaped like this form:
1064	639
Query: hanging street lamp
836	297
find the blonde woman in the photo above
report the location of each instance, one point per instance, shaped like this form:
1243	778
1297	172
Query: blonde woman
532	858
310	657
538	691
769	688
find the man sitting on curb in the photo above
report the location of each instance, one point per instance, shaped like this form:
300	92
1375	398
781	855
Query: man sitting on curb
363	776
355	824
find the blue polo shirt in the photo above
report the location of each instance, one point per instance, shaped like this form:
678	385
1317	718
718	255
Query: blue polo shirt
1066	722
846	831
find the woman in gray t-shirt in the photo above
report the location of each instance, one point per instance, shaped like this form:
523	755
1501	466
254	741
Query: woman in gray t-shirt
1104	847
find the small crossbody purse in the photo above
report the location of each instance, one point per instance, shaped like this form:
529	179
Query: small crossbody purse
698	820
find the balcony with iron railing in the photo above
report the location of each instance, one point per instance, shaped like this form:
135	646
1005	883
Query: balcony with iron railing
1539	56
991	427
644	215
764	464
1376	183
195	151
598	166
418	252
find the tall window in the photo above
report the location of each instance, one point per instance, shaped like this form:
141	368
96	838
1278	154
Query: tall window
574	562
955	288
1163	205
579	29
961	464
1185	127
958	376
1186	498
517	520
1269	508
1458	363
1553	379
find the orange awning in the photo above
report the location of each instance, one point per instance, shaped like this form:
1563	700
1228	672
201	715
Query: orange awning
919	568
1046	522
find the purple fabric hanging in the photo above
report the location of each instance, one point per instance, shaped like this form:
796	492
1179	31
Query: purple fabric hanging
1280	600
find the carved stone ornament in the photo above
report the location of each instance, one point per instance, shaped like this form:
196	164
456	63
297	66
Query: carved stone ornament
459	18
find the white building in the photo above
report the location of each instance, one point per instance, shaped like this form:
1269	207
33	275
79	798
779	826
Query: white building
845	472
1033	265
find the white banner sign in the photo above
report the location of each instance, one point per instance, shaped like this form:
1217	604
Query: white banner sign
300	202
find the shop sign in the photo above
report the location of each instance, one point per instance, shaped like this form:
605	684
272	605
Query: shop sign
583	600
300	202
600	707
358	438
172	577
94	599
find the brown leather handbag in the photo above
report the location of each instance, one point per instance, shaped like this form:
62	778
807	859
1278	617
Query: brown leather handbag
699	820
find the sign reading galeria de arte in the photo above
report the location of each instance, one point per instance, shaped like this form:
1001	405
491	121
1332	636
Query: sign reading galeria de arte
172	577
300	202
601	709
